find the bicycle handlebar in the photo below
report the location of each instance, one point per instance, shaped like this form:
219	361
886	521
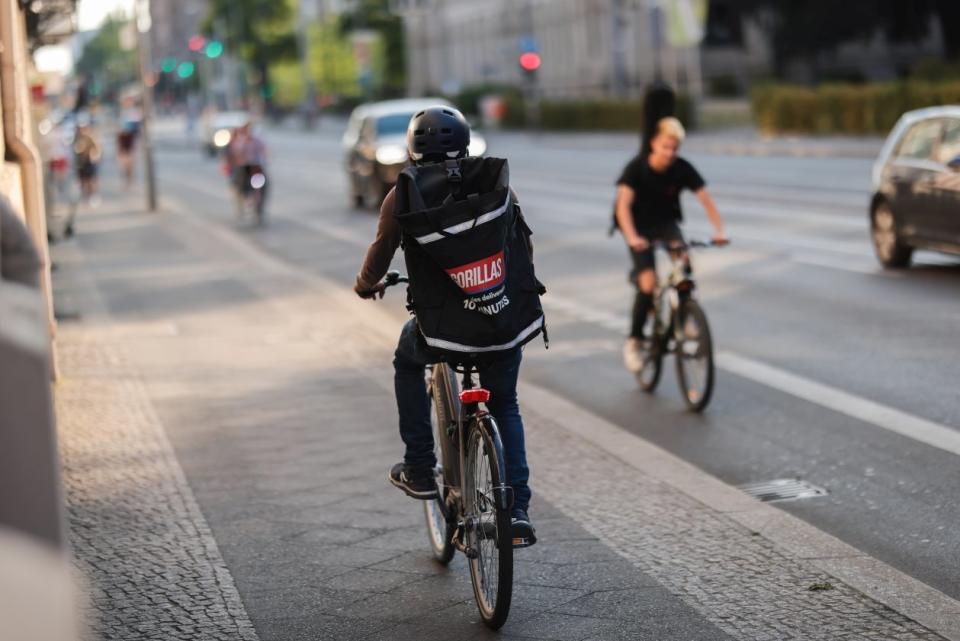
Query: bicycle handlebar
689	244
392	278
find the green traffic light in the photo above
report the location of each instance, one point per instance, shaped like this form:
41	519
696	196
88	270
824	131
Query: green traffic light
168	65
185	70
214	49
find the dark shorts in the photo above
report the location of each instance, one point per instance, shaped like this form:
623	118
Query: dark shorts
644	260
86	170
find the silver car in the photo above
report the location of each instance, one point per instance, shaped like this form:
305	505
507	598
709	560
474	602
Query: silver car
375	146
916	187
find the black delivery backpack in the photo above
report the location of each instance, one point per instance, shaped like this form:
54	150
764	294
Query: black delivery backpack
466	246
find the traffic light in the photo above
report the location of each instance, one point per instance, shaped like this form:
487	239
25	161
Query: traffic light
214	49
530	61
196	43
185	70
168	65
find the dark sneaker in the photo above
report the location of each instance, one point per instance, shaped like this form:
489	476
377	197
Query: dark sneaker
521	529
418	485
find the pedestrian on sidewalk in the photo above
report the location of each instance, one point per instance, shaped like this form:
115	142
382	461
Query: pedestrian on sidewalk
86	153
437	141
126	146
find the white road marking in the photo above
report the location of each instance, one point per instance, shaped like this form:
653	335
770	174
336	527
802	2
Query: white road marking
832	263
883	416
888	418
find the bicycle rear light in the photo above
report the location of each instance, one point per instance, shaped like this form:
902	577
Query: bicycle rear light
475	395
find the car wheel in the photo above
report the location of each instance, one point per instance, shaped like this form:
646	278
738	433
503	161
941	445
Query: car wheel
891	251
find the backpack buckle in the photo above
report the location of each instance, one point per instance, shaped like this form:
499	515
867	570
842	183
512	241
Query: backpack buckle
453	171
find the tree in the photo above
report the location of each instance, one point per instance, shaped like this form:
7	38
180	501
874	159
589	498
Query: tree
105	64
375	15
259	32
799	31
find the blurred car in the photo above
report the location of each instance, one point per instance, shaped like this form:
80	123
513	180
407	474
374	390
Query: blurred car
375	144
916	185
217	129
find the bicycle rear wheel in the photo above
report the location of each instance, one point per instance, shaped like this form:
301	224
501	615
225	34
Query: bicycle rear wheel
695	371
490	545
445	408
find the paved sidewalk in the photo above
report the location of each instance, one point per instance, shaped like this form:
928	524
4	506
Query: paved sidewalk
227	425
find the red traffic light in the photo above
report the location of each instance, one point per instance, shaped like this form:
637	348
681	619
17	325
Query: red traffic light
196	43
530	61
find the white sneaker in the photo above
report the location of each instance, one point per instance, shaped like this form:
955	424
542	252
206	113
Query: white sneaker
633	355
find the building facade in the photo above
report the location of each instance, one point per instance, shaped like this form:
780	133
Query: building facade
615	48
589	48
173	22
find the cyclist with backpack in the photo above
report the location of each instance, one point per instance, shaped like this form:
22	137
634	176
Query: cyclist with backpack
472	290
648	210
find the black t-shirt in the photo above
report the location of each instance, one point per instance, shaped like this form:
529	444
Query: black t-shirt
656	199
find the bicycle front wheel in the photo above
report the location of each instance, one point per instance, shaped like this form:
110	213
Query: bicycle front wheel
490	544
445	407
695	371
649	375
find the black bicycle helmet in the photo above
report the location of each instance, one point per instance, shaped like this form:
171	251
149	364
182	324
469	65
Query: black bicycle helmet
436	134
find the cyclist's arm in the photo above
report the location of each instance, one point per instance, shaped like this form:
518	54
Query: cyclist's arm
712	213
381	250
625	196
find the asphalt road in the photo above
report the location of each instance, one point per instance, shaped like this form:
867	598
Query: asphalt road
841	367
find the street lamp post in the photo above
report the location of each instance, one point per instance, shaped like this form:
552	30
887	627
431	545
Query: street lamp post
146	89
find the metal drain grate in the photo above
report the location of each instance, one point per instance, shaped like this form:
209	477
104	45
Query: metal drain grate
782	490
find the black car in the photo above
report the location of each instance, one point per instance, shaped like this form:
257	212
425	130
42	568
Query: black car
916	200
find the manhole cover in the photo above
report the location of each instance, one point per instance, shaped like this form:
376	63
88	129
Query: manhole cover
782	490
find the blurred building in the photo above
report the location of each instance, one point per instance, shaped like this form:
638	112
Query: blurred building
589	48
313	9
614	48
173	23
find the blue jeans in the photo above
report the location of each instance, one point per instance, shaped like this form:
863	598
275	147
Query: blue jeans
413	405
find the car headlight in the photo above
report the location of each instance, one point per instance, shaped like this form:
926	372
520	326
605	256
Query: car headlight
391	155
478	146
221	138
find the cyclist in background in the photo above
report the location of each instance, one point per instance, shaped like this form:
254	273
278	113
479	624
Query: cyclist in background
246	151
648	210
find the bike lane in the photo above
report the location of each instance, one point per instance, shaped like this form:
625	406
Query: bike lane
271	389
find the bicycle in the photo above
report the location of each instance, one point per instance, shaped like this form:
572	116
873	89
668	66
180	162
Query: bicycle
678	325
472	513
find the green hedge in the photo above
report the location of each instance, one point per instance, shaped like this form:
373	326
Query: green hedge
609	115
569	115
845	108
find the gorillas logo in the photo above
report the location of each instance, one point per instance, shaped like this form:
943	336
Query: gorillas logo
479	276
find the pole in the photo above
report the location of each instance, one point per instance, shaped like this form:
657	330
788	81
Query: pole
308	16
146	89
656	27
618	79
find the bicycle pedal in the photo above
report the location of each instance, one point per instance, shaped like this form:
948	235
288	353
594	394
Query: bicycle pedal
521	542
